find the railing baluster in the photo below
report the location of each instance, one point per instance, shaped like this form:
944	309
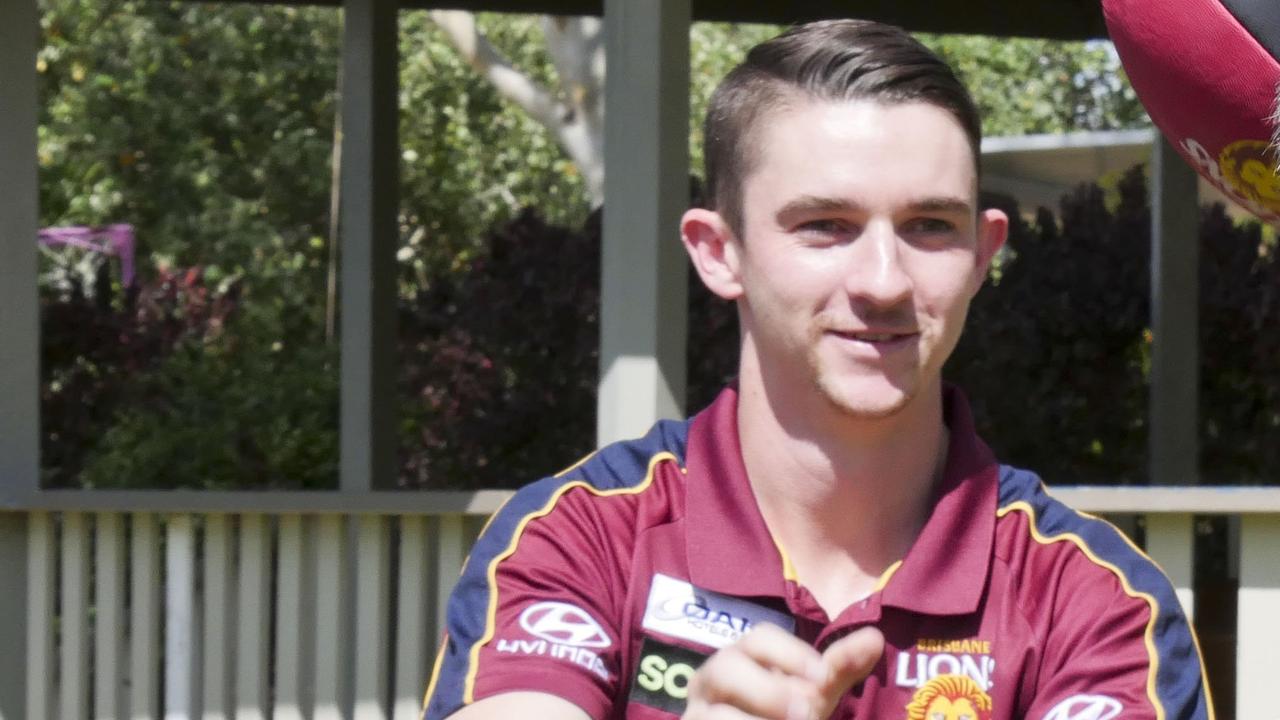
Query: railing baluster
73	649
453	549
1171	543
295	619
219	617
373	587
254	615
1258	621
333	619
144	618
182	619
40	592
108	618
413	640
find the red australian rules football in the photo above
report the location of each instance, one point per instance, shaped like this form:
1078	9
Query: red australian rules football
1208	74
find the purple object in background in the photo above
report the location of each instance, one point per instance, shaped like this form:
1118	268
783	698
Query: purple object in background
111	240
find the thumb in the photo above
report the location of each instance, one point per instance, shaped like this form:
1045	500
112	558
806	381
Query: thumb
849	660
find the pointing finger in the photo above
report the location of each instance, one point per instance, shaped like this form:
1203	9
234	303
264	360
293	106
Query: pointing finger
851	659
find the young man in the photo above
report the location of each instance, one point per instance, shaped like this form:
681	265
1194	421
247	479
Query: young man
829	538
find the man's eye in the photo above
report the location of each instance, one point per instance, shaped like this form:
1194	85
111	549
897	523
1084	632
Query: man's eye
825	228
931	225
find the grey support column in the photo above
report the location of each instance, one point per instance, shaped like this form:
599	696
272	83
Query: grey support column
1175	318
19	335
19	218
369	237
643	306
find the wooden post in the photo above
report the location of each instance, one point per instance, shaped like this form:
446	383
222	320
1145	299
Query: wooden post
369	238
19	224
643	303
14	608
1175	319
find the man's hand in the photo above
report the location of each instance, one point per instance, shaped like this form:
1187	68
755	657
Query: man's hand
773	675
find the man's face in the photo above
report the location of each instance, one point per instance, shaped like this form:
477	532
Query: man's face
861	249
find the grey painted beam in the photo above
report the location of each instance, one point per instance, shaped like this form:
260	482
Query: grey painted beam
19	223
1054	19
643	304
1175	318
369	235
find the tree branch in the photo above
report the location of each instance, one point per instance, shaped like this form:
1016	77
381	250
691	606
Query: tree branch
460	29
576	47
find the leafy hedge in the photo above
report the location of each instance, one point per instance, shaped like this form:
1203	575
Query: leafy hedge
181	384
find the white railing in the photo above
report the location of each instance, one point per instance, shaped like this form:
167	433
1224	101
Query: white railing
289	614
259	610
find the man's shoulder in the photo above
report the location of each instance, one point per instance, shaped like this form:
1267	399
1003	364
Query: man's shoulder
1047	543
627	464
627	469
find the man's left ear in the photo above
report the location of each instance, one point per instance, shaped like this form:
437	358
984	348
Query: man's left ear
993	230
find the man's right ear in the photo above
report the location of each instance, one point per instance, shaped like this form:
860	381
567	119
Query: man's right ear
715	251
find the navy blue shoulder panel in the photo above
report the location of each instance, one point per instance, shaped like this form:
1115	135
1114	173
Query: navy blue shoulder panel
619	467
623	464
1179	685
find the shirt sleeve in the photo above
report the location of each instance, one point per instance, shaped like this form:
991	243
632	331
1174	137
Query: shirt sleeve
1121	646
534	609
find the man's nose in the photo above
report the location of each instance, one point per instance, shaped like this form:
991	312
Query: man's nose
877	274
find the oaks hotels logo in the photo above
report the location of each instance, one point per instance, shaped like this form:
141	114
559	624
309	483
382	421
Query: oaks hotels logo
679	609
562	631
931	659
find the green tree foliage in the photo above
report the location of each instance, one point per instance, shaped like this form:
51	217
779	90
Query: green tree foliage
1025	86
209	129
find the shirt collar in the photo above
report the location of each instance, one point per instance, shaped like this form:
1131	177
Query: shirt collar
945	570
730	549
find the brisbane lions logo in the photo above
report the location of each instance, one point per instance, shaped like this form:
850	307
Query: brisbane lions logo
1250	168
950	697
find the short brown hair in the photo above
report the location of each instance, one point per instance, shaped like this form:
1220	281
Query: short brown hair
827	60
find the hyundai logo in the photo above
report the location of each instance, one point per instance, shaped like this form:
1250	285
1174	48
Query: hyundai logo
563	624
1085	707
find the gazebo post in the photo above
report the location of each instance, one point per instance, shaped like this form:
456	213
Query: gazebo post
369	236
1173	439
643	303
19	334
1175	317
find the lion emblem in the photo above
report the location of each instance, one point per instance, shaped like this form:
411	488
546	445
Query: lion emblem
950	697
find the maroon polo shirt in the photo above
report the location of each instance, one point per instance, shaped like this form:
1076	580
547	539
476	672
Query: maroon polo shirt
609	583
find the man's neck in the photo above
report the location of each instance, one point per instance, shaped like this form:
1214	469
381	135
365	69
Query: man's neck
845	497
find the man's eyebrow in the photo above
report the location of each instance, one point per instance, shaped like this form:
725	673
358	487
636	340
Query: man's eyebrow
941	204
815	203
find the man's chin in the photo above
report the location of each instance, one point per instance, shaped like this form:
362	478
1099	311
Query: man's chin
866	400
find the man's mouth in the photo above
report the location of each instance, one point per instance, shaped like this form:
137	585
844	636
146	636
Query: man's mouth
877	337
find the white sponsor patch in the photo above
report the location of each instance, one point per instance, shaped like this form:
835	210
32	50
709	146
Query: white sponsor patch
564	632
1085	707
678	609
